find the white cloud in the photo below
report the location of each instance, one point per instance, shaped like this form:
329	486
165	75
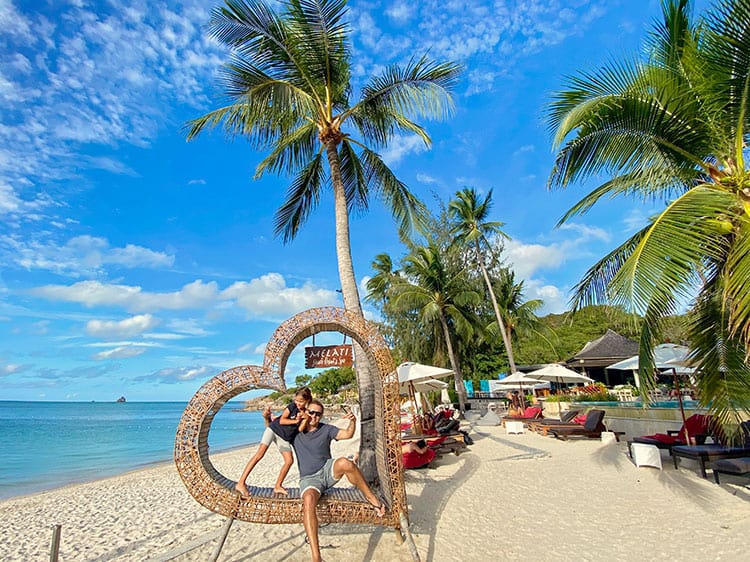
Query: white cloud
11	368
402	12
491	38
586	232
426	179
555	299
401	146
80	256
269	296
123	329
123	352
94	293
526	259
100	74
180	374
523	150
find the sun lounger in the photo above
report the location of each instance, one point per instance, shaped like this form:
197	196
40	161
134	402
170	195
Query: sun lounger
714	452
530	413
592	428
542	425
698	428
737	467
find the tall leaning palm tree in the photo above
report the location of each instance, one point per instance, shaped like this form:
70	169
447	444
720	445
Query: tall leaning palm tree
468	213
441	298
289	86
289	91
673	127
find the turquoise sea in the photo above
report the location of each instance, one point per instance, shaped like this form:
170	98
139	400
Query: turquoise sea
45	445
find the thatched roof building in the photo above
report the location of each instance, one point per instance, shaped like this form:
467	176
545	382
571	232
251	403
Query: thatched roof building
597	354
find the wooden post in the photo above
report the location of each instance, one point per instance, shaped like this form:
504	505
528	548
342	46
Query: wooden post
409	538
222	538
54	550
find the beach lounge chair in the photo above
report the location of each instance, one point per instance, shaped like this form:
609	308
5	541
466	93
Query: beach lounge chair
530	413
592	427
737	467
568	417
698	428
714	452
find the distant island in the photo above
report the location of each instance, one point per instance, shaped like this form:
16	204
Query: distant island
120	399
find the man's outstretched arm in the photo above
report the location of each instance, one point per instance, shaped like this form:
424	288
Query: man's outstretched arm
348	431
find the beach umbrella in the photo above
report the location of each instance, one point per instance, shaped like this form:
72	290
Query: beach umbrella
559	374
517	380
416	377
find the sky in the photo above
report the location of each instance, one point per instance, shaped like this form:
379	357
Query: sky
135	263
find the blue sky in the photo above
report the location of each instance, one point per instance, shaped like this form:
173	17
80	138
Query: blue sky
134	263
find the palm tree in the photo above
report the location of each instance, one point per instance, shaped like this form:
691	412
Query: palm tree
673	127
442	298
288	85
518	315
469	222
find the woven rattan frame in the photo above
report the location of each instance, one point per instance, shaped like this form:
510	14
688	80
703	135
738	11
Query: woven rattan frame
216	492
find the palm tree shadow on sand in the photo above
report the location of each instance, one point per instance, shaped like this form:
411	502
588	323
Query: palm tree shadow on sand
681	482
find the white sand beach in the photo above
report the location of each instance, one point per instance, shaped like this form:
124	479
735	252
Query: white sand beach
509	497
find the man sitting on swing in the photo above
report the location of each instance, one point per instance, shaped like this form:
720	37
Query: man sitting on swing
319	471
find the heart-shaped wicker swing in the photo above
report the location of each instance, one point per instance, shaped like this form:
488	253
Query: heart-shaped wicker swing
216	492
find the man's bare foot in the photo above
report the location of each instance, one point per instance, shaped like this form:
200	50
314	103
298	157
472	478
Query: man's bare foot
379	508
281	491
242	490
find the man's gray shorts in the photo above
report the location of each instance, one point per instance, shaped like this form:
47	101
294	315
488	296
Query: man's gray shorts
270	437
320	481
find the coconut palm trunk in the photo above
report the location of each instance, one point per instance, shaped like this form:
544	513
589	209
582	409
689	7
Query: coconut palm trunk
350	294
457	376
500	322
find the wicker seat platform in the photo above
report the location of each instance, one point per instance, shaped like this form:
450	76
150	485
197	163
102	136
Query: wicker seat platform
215	491
337	505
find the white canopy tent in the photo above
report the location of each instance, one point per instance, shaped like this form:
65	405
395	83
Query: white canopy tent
666	356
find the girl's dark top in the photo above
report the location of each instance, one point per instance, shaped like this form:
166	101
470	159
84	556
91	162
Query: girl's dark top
286	432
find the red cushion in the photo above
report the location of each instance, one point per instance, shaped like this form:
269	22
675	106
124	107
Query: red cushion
664	438
531	412
697	424
413	459
581	419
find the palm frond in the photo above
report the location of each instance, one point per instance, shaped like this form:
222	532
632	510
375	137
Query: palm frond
407	210
720	359
727	48
421	88
302	198
355	178
321	45
737	279
659	271
292	152
646	183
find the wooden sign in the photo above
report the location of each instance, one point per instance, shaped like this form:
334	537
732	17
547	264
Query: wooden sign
328	356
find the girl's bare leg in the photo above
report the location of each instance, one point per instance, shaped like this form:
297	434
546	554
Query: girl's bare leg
241	486
288	462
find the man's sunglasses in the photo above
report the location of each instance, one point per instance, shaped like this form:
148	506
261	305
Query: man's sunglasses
314	413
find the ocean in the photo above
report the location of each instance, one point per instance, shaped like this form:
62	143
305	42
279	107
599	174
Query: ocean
46	445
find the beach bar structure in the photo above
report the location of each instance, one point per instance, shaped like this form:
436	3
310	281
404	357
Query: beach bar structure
596	355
